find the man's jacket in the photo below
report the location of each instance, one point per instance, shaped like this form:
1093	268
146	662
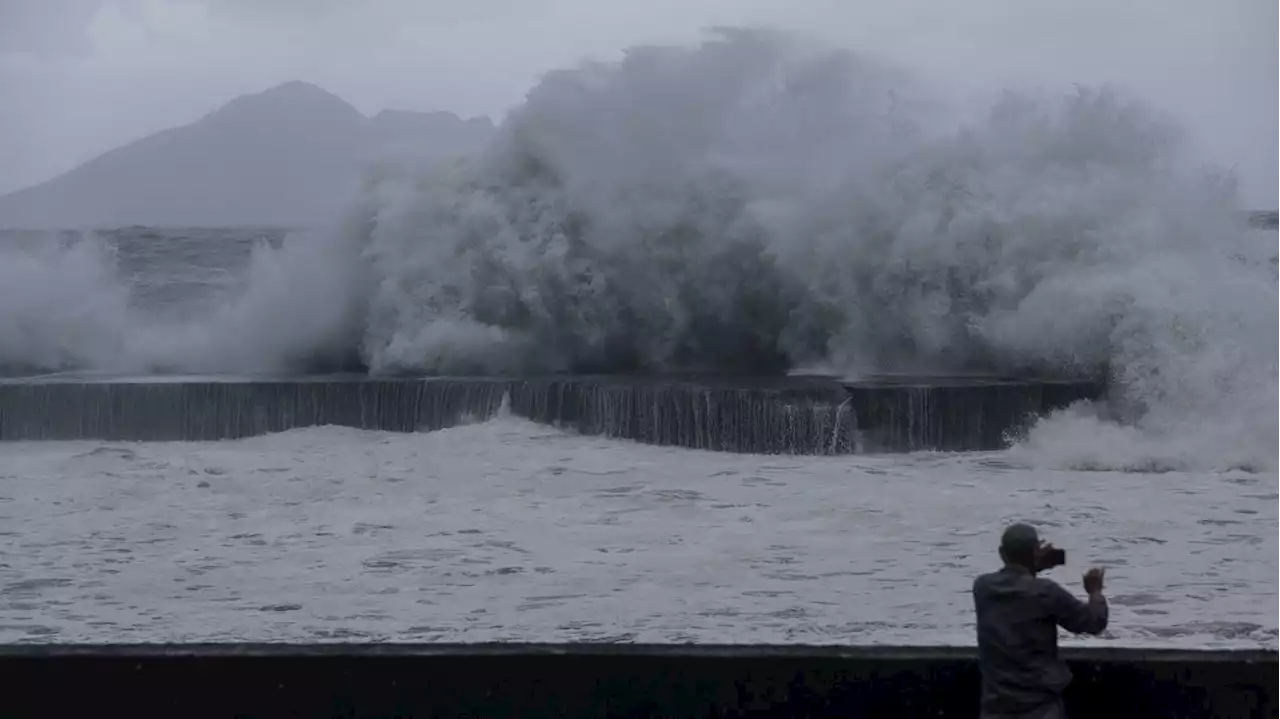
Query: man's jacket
1018	619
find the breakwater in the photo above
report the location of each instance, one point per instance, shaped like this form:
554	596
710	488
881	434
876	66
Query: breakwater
810	415
954	413
604	680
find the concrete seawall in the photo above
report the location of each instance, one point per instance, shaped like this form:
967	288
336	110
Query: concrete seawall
603	680
770	416
954	414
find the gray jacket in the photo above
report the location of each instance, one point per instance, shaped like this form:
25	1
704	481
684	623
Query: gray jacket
1018	619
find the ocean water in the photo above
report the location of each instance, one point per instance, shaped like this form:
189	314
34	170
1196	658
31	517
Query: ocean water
512	531
158	272
746	204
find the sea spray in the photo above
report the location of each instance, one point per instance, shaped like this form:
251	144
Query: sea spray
61	306
793	206
754	203
66	305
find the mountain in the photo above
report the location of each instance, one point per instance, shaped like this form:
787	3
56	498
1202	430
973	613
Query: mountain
286	156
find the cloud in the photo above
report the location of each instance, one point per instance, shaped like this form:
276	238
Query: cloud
364	12
93	73
44	27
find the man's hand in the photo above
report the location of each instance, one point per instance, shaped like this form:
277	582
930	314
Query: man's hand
1093	581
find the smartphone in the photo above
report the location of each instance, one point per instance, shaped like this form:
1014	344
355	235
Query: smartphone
1055	558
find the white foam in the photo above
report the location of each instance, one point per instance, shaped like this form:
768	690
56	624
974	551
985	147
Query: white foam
712	205
512	531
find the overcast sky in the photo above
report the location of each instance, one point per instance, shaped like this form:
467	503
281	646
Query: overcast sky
78	77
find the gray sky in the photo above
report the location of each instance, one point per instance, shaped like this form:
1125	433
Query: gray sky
78	77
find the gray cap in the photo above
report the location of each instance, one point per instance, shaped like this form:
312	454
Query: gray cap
1020	541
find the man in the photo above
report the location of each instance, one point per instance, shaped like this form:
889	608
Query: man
1018	619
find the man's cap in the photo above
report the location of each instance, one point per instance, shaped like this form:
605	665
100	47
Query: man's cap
1020	540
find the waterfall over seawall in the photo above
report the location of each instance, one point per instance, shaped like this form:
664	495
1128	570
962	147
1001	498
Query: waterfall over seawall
772	416
954	414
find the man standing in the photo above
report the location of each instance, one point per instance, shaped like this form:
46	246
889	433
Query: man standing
1018	619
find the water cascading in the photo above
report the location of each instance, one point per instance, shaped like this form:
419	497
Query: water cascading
768	416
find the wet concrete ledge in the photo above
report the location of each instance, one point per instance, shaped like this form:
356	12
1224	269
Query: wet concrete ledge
791	415
494	680
955	413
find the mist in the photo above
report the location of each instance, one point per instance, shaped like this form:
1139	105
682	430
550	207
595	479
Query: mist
79	77
989	185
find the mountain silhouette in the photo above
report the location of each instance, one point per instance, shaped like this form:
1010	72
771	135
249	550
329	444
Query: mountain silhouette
287	156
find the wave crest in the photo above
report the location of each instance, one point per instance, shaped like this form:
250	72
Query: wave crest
756	203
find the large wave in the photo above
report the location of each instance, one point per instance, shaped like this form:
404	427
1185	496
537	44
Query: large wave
752	204
64	307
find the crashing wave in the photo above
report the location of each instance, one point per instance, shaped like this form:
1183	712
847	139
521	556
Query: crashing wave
746	205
